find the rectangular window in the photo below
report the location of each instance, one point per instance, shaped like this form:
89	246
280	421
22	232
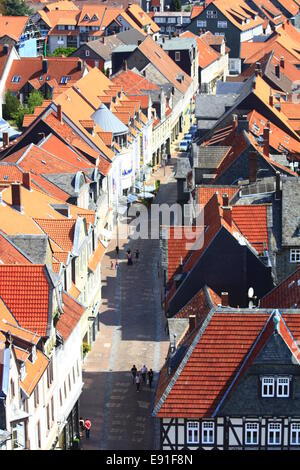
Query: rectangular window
38	435
65	389
283	387
222	24
69	380
87	53
60	398
274	434
211	14
52	410
177	56
201	23
295	255
208	432
73	369
192	432
268	387
77	366
36	396
295	434
48	417
251	434
12	389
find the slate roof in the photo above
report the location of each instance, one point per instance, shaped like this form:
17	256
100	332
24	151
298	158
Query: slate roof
290	212
35	246
183	166
212	106
209	157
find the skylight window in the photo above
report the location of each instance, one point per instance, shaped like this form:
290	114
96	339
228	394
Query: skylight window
65	79
16	79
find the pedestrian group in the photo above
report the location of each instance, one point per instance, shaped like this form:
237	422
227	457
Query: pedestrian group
145	376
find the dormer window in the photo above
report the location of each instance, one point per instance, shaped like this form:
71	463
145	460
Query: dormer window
16	79
86	18
208	432
268	387
193	432
22	372
65	79
33	354
95	18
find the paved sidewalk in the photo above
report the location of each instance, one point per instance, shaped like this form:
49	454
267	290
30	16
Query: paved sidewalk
131	332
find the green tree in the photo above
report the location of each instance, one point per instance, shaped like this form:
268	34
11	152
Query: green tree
66	51
11	105
15	8
175	5
19	116
34	99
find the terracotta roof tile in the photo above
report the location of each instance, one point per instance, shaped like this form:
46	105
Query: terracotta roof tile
285	295
61	231
96	257
25	290
68	320
252	223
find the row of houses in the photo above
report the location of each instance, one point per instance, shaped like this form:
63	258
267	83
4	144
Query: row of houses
231	376
82	158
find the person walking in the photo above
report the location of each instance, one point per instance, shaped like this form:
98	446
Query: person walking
150	377
111	265
133	373
117	263
138	382
129	258
117	250
81	426
144	373
87	426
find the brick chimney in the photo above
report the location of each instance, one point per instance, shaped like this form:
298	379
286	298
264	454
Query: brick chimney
224	299
27	180
59	113
282	62
79	65
252	166
192	323
227	214
45	65
225	200
271	99
5	139
16	196
266	137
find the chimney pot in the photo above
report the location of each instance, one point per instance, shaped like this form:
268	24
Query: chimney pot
45	66
59	113
243	124
5	139
282	62
16	196
271	100
252	166
27	180
266	137
192	323
225	200
277	185
224	299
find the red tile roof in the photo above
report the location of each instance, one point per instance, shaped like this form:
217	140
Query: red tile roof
132	82
285	295
25	290
68	320
205	192
12	26
61	231
215	357
96	257
206	54
252	223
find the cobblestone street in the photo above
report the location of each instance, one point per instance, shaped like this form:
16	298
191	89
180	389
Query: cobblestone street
131	332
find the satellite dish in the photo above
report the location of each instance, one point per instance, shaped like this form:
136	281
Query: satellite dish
250	292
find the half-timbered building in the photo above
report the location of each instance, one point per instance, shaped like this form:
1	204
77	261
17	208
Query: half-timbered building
232	378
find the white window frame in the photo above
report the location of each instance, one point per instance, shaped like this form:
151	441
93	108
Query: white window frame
295	429
208	432
193	427
268	381
273	430
295	255
87	53
253	430
284	384
201	23
211	14
222	24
